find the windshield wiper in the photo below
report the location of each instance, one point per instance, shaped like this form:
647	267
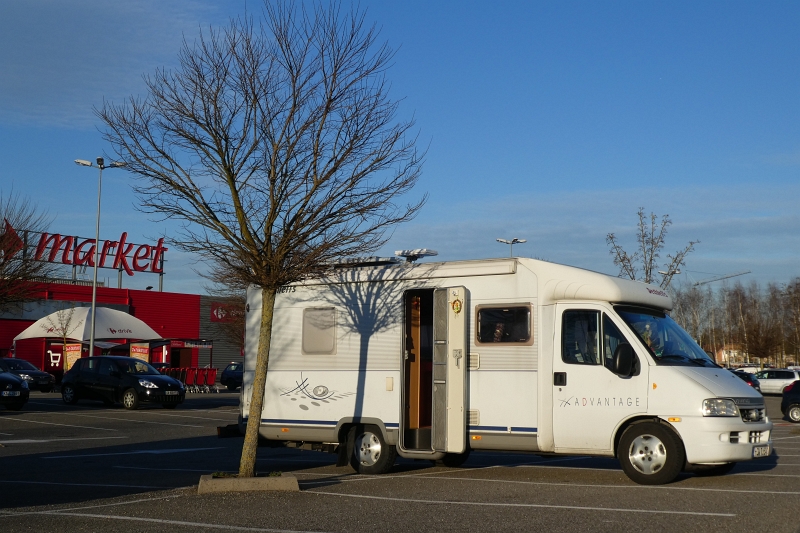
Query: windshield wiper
699	362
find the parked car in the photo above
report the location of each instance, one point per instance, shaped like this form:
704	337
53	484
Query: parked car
14	391
749	378
774	380
29	372
232	376
113	379
790	405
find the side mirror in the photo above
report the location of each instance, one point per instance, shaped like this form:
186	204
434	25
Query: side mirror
622	362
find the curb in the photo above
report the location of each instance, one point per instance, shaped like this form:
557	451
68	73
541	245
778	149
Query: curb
210	484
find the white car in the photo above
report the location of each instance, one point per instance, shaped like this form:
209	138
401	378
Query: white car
774	380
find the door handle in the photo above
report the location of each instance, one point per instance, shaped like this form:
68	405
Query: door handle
559	379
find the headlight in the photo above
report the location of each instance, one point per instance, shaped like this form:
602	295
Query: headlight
147	384
719	407
26	377
24	385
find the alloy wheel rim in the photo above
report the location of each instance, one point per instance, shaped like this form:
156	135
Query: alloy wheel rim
647	454
128	399
368	449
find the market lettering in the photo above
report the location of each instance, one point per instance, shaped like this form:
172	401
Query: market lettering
126	256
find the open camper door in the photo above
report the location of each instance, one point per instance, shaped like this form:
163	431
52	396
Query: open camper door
450	311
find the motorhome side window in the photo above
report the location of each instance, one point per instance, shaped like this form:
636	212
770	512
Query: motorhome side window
510	324
580	342
319	331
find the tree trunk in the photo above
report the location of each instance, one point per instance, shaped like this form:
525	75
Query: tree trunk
247	466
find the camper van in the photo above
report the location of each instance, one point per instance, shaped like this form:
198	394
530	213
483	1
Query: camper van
433	360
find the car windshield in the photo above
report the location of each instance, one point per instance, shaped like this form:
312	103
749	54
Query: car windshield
19	364
136	367
667	342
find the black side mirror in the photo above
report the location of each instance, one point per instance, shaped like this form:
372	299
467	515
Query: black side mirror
623	360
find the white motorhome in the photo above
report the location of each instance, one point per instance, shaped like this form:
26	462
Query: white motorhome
433	360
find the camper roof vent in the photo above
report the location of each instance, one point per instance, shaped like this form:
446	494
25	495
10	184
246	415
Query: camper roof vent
351	262
413	255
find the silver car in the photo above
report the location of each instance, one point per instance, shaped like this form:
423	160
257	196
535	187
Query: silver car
773	381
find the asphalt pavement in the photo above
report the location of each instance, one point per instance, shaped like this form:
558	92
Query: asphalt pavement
94	468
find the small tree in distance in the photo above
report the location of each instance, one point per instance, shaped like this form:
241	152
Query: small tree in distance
643	263
276	144
18	269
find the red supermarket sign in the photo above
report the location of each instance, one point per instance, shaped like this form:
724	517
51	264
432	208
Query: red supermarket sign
79	251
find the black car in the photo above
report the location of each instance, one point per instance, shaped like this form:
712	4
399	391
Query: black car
749	378
14	391
790	405
113	379
232	376
37	379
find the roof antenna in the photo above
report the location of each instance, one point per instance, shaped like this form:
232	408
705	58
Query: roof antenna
413	255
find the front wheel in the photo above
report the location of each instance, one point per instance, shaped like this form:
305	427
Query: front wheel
650	454
794	413
130	400
68	394
371	454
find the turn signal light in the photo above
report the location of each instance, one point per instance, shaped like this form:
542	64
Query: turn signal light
476	437
284	430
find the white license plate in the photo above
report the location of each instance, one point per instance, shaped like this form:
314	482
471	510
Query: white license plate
761	451
10	393
171	392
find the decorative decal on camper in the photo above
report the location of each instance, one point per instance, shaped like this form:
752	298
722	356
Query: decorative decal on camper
456	305
316	396
607	401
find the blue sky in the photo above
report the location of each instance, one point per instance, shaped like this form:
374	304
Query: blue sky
550	121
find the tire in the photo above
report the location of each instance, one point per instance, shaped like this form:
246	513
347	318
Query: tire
371	455
170	405
68	394
130	400
793	413
650	454
231	387
454	460
710	470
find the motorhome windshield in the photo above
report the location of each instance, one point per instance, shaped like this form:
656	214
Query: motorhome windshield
667	342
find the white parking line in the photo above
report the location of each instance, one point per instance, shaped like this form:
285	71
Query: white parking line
134	420
207	470
54	424
39	441
135	452
204	525
631	486
525	505
9	481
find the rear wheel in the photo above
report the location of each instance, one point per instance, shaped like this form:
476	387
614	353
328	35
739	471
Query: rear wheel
454	460
130	399
371	454
650	454
68	394
793	412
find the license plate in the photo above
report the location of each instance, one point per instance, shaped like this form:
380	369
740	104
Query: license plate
171	393
761	451
10	393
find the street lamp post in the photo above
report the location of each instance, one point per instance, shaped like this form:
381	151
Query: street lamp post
101	165
511	243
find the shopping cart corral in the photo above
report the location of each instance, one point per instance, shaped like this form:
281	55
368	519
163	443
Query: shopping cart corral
196	380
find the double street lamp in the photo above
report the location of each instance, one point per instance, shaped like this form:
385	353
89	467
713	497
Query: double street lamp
101	164
511	243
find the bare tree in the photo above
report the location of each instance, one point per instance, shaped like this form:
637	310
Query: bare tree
18	269
277	145
643	263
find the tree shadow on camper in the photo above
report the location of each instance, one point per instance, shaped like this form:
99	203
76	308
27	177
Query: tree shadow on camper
371	299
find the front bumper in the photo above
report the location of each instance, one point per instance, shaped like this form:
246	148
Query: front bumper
23	396
708	439
161	396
